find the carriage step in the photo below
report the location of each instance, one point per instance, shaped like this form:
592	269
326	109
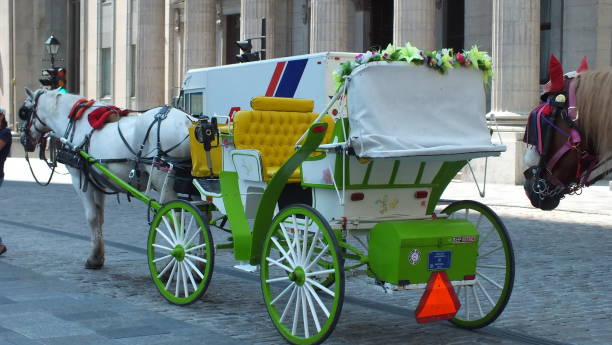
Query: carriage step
207	186
247	268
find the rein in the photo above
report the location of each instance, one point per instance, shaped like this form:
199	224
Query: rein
27	131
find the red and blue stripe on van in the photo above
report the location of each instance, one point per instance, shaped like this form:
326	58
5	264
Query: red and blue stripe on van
286	78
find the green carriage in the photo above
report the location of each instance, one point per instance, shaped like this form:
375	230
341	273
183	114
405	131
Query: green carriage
306	198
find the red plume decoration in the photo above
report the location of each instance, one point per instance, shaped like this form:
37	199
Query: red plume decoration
555	70
584	65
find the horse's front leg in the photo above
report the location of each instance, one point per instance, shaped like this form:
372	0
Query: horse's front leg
163	183
93	202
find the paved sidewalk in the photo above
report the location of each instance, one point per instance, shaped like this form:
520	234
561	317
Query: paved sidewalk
37	309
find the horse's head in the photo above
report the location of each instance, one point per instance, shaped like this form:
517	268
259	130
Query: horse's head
32	127
558	156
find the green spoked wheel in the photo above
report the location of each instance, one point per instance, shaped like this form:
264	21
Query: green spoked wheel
180	252
484	301
300	252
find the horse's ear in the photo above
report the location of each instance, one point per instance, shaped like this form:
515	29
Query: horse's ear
555	70
584	65
29	92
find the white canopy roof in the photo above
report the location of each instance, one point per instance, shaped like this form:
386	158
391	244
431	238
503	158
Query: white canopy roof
398	110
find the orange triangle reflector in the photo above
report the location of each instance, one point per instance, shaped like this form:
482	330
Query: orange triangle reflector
439	302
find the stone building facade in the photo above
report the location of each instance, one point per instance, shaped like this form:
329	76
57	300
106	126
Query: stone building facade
134	53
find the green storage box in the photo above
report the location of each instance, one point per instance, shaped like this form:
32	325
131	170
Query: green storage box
406	252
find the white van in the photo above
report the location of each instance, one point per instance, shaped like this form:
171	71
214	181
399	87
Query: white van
223	90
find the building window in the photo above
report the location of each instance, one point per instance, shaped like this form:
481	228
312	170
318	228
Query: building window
106	44
105	73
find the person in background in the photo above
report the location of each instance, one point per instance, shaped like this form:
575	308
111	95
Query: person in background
5	149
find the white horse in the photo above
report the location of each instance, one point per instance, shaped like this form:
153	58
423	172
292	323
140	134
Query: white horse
47	110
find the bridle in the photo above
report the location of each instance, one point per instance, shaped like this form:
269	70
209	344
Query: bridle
541	178
30	116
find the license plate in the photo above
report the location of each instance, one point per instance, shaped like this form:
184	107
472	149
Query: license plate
439	260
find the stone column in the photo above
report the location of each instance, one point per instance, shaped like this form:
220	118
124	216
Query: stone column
277	15
150	54
414	21
604	34
587	31
251	13
200	29
329	26
277	28
516	56
6	61
478	24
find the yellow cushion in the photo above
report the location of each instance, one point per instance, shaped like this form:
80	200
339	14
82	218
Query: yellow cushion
270	171
274	134
282	104
199	165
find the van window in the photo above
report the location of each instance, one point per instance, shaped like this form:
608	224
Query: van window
195	103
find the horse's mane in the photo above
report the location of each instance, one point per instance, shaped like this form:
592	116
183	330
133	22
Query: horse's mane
594	103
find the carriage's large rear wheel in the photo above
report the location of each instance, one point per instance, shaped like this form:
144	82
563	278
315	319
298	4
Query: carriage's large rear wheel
300	253
484	301
180	251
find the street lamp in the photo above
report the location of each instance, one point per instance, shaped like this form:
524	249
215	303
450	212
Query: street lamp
52	45
53	77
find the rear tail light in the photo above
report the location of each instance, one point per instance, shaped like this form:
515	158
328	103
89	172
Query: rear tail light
357	196
421	194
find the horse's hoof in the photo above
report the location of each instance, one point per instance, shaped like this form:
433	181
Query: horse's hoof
93	265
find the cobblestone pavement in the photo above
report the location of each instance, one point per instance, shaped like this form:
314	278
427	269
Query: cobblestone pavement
561	293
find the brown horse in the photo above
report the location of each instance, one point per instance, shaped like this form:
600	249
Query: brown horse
570	135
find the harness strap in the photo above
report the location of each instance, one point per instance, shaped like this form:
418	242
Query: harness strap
540	146
571	108
125	141
573	139
165	153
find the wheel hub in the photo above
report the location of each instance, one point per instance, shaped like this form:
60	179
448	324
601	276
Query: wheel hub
298	276
178	253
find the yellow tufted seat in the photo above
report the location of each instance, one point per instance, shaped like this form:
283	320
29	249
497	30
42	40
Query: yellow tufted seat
273	127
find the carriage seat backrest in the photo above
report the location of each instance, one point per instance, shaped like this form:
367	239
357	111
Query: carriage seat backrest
273	127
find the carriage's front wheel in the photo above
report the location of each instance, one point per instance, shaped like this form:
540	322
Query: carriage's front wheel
484	301
180	252
300	252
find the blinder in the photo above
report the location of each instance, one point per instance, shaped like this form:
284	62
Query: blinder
27	116
25	113
539	133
